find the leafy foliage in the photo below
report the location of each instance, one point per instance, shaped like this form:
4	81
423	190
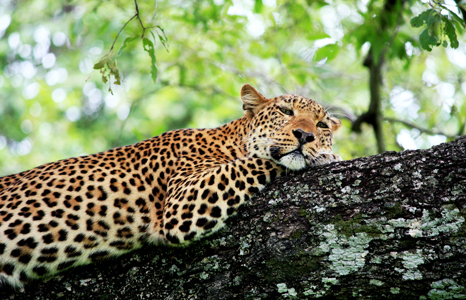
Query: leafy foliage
108	67
108	64
438	27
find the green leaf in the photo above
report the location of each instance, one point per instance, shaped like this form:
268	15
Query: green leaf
329	51
163	33
428	17
153	36
149	48
417	21
163	38
101	63
433	18
450	31
457	19
115	72
427	40
126	42
421	19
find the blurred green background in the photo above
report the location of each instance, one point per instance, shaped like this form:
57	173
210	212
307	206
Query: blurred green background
53	105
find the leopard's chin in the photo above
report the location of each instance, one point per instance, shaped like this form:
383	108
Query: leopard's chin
293	160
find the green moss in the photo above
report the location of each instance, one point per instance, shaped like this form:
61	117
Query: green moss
277	217
297	234
287	269
394	210
303	212
353	225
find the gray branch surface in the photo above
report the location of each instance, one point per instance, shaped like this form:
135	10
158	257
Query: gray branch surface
390	226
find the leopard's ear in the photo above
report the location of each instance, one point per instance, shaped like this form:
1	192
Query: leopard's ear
336	124
252	100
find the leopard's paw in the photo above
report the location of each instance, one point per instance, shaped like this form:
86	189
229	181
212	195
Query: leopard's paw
326	158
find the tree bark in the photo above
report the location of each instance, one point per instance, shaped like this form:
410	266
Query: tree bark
388	226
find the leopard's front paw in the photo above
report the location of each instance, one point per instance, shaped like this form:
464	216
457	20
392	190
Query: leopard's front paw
336	157
326	158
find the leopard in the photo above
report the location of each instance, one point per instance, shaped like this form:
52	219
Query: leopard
171	189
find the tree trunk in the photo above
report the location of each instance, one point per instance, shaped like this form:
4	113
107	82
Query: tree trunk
389	226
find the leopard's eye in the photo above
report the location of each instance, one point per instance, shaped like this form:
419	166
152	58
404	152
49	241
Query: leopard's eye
288	112
322	125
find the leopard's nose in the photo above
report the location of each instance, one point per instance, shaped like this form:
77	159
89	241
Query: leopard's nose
303	136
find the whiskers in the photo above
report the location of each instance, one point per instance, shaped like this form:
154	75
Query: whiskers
248	140
251	142
283	88
334	114
329	105
343	111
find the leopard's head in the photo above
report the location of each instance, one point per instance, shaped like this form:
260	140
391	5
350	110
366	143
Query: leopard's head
291	130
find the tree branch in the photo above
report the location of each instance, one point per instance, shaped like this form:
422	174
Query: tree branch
424	130
390	226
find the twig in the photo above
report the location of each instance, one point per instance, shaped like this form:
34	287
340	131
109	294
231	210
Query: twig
139	18
415	126
136	15
461	9
113	44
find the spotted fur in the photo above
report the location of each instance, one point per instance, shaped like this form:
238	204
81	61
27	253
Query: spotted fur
173	188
